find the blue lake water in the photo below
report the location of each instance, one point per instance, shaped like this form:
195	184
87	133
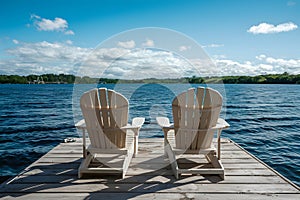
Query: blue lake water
264	119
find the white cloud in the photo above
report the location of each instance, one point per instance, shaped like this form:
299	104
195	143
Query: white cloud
42	57
221	56
57	24
69	42
127	44
184	48
149	63
262	65
288	63
265	28
266	67
34	16
148	43
15	41
135	64
69	32
46	57
230	67
213	46
261	57
291	3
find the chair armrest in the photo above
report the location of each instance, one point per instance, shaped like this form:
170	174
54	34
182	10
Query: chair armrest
80	124
221	124
138	121
164	122
129	126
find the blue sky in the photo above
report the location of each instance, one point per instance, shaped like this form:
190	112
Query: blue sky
246	37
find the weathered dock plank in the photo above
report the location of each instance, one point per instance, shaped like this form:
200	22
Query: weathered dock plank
149	177
147	196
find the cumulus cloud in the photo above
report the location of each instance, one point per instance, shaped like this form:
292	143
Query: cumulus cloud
41	51
148	43
15	41
220	56
262	65
69	32
69	42
136	64
289	63
212	45
57	24
42	57
184	48
127	44
119	62
265	28
46	57
151	63
291	3
231	67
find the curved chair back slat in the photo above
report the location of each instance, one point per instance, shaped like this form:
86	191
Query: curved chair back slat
105	112
194	112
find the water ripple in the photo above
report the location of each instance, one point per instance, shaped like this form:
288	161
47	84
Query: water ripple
264	120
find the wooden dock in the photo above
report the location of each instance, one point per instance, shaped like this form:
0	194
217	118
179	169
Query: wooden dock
54	176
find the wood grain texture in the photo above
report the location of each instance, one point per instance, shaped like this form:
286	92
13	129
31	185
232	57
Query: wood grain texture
149	176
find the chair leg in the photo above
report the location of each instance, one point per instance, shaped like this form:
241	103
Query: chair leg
166	143
213	159
84	164
79	174
172	159
216	163
165	149
128	158
135	146
136	142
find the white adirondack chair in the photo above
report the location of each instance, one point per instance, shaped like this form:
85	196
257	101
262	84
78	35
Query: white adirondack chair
105	115
196	118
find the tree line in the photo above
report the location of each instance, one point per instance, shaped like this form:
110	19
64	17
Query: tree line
284	78
52	79
45	78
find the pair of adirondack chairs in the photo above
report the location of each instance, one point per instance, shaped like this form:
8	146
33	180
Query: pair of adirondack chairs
196	118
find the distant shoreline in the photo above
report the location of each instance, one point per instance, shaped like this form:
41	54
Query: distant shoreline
284	78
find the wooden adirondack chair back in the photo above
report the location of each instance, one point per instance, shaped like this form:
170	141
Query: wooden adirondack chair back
194	110
105	111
